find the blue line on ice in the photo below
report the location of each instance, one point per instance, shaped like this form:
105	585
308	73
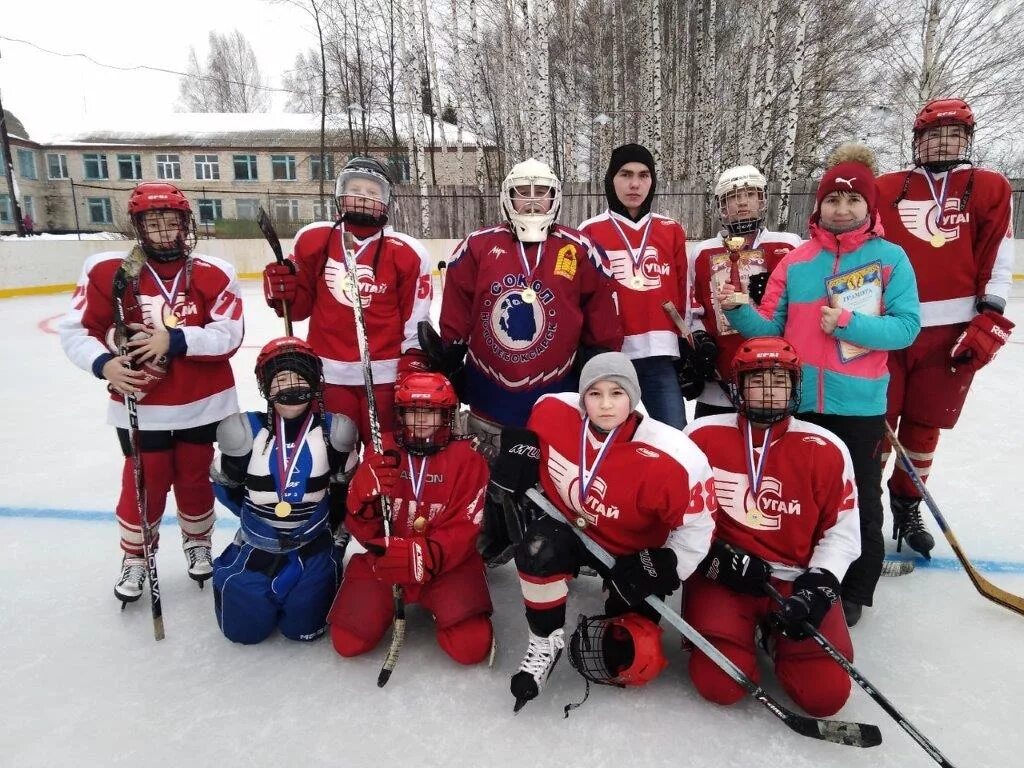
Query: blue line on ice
85	515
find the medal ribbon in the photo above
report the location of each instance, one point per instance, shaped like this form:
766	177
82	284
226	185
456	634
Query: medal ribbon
527	271
940	199
285	472
169	296
587	475
756	473
635	257
417	482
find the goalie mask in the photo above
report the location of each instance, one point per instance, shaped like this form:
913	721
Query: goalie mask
765	380
531	197
163	221
623	651
742	194
425	406
288	372
363	192
943	134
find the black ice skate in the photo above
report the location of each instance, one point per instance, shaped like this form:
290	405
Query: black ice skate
199	559
133	575
908	526
541	656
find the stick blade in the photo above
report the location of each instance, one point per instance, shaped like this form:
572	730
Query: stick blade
836	731
267	228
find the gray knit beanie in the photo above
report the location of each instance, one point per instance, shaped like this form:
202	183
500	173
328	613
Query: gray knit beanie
611	366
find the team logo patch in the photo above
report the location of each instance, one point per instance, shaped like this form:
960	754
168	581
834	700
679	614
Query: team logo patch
647	453
643	276
565	263
918	216
518	319
765	512
336	276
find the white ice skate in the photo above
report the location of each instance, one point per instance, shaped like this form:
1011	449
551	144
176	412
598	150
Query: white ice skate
541	656
199	558
133	575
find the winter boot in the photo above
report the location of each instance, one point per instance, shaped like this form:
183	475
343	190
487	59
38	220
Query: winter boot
541	656
133	575
199	559
908	526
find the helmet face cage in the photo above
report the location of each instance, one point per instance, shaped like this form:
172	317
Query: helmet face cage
363	196
424	429
621	651
533	186
165	234
941	147
749	211
768	410
305	365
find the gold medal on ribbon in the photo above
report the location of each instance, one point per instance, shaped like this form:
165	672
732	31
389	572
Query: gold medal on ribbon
419	524
581	522
637	282
171	320
938	240
282	509
529	295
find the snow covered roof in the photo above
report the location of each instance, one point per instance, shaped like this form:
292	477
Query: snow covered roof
258	129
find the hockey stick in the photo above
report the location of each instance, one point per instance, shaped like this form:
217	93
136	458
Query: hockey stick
862	681
983	585
835	731
127	273
680	325
398	628
267	228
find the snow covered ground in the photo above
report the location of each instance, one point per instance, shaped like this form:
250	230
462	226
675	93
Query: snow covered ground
85	684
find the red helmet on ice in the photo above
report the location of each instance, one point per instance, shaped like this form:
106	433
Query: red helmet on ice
425	406
766	353
621	650
943	134
163	221
289	354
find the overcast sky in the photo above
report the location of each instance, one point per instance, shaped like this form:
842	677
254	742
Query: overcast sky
48	93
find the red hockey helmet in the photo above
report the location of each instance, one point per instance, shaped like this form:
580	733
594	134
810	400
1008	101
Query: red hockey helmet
944	112
292	354
620	650
943	134
425	406
163	221
765	353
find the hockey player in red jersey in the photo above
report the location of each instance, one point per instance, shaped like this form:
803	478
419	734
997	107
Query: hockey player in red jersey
638	487
184	320
437	489
394	287
647	253
954	221
523	297
788	512
743	253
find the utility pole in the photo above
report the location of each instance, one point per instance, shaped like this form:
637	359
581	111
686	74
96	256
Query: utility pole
12	185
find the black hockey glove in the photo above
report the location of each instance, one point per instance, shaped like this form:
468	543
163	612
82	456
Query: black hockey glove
504	524
703	353
756	285
691	384
814	593
517	467
448	359
740	572
648	572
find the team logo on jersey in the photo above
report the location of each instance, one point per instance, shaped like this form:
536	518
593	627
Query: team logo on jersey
646	452
814	440
497	252
643	276
155	309
763	513
517	318
336	276
918	216
566	476
565	263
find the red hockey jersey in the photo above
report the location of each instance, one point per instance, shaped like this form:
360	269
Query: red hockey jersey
960	256
648	261
205	305
710	267
453	484
652	487
804	514
524	322
394	286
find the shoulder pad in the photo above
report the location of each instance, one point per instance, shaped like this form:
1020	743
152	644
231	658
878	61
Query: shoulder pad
234	435
341	432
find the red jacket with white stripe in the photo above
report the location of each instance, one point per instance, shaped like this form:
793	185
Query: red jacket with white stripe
645	282
395	288
653	487
976	256
804	514
199	387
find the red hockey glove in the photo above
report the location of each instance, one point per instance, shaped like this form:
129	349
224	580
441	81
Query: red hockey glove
411	361
981	340
279	283
375	477
405	561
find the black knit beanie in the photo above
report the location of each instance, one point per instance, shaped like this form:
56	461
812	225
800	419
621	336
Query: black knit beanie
629	153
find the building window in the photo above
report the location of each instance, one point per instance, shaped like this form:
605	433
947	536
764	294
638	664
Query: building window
245	168
246	209
57	166
168	166
210	211
283	167
6	210
323	211
100	211
207	167
27	164
129	167
314	167
286	210
400	169
95	167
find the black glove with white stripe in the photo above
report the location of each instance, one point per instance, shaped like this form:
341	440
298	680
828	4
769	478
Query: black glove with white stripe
814	593
647	572
732	568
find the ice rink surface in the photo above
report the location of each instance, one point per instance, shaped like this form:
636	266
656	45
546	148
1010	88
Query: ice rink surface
84	684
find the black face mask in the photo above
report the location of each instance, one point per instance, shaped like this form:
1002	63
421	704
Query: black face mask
293	396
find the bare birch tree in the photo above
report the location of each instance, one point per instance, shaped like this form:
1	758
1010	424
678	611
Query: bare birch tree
229	81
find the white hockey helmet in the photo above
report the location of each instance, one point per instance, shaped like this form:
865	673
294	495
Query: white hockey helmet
733	180
536	189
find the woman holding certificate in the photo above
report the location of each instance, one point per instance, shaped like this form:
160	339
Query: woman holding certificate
843	299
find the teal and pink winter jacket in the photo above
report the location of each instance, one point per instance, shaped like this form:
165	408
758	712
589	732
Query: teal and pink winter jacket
791	308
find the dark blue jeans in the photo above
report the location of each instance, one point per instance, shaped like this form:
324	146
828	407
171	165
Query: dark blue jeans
659	390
